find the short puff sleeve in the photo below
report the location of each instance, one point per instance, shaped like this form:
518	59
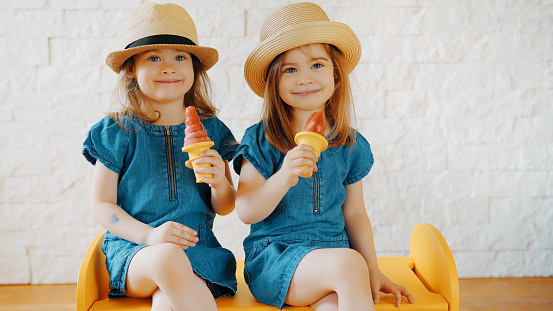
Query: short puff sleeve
225	142
257	150
106	142
361	160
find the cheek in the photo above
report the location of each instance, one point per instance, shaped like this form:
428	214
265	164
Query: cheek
190	79
331	87
283	85
140	76
141	80
331	82
283	92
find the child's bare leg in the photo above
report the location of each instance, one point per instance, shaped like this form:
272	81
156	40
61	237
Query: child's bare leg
166	266
327	303
324	271
159	302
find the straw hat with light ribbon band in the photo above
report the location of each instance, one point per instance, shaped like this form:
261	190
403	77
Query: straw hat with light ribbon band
158	26
292	26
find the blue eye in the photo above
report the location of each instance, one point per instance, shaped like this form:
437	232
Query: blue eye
180	58
290	70
317	66
154	58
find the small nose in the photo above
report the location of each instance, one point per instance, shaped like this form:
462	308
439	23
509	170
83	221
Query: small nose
168	68
304	78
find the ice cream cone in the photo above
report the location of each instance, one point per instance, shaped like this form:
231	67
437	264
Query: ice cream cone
194	151
316	141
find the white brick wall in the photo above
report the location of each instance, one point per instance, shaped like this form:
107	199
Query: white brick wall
454	96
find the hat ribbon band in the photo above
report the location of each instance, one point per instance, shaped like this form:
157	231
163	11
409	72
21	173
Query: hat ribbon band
160	39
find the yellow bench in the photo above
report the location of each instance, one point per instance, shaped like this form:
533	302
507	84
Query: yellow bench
429	273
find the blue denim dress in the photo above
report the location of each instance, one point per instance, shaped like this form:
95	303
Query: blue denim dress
155	186
308	217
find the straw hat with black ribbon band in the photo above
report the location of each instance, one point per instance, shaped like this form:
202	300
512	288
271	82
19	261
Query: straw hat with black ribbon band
161	26
292	26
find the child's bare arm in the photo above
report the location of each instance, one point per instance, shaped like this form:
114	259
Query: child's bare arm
103	202
223	193
358	225
223	197
360	234
257	198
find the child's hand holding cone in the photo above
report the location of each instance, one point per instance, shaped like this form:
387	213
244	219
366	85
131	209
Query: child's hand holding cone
196	141
312	134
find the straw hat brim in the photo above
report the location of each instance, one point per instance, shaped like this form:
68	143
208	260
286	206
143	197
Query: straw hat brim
335	33
207	56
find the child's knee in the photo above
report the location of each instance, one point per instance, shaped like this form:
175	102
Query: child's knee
349	265
168	257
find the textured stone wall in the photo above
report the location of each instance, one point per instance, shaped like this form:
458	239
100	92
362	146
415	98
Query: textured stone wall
454	96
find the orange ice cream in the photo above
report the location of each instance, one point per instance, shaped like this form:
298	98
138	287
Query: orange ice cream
312	134
194	131
315	123
196	141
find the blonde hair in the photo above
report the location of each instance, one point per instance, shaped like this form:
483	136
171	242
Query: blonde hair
277	115
133	102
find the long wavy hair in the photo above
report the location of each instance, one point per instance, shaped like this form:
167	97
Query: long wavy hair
278	116
132	102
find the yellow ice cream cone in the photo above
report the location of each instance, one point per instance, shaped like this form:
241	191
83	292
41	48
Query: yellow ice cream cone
316	141
194	151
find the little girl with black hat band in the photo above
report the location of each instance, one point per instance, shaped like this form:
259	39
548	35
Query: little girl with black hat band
160	242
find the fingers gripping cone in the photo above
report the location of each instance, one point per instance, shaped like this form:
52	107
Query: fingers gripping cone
312	135
196	141
194	151
316	141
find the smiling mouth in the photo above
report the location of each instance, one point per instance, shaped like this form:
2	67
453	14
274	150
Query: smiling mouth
305	93
168	81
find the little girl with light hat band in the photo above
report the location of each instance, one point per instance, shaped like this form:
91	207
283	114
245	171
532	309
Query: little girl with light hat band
310	240
160	242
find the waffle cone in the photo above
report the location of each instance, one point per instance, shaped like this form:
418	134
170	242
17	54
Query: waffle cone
316	141
194	151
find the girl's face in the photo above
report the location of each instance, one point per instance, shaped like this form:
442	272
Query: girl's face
307	78
163	75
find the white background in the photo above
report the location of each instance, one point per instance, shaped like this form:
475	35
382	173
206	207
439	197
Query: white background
455	98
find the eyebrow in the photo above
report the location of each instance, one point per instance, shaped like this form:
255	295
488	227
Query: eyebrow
311	60
159	51
326	59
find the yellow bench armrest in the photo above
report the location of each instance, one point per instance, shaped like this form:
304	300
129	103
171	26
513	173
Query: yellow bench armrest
93	281
434	263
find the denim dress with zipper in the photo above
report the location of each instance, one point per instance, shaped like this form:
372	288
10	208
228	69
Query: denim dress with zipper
155	186
308	217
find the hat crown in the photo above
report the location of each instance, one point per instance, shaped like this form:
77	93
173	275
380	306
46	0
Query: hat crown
291	15
152	19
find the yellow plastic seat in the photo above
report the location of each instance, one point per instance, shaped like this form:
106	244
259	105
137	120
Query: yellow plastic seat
429	273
